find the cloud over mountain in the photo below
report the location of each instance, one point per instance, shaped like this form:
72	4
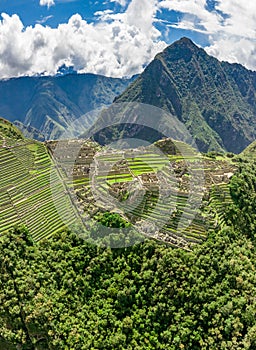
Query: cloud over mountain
121	43
115	46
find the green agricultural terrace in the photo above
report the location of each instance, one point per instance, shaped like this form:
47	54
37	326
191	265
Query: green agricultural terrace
31	191
168	191
154	188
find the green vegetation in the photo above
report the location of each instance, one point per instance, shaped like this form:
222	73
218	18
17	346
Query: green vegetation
250	151
63	293
47	106
112	220
215	100
31	191
59	291
9	131
242	212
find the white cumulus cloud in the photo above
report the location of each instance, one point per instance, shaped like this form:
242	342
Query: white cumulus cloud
119	46
47	3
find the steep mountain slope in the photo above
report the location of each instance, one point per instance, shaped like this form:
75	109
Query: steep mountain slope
9	132
51	104
31	191
250	151
216	100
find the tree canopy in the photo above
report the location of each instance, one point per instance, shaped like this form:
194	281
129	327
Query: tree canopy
64	293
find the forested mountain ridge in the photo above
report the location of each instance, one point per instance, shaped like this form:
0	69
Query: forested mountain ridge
216	100
43	107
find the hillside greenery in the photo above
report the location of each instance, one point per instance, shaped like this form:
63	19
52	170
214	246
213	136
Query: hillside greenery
37	190
63	293
45	107
30	186
215	100
8	130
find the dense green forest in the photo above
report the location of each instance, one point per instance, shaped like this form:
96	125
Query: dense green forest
63	293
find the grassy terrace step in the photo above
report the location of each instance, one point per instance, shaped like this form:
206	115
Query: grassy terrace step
16	198
5	159
5	166
33	185
114	176
183	234
119	180
12	219
26	181
4	196
8	226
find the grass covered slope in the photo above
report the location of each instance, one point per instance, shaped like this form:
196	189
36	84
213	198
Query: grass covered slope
250	151
9	132
30	187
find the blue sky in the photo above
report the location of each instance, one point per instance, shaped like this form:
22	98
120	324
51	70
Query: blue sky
31	12
119	37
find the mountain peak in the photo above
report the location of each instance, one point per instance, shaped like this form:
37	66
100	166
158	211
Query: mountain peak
183	48
184	40
183	43
214	100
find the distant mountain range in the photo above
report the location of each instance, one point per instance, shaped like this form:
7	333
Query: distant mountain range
215	100
43	107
